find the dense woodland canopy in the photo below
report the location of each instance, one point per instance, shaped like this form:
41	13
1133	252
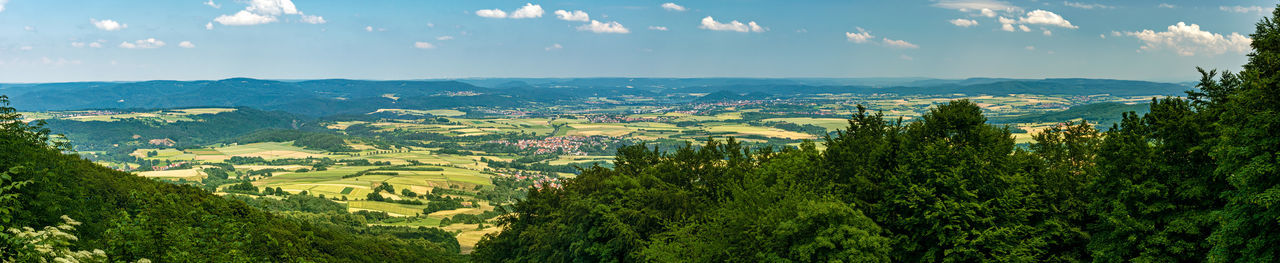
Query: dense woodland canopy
1195	179
129	218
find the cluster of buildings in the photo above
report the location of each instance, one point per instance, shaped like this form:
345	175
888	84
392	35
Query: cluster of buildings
572	145
167	167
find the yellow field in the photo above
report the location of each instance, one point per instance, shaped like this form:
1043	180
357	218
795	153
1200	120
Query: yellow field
762	131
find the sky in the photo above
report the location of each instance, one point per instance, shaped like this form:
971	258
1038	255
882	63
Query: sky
128	40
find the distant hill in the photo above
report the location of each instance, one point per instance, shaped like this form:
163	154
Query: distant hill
343	96
1100	114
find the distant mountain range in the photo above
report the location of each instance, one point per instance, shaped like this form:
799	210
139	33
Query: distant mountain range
343	96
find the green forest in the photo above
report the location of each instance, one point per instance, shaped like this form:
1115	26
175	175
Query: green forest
1194	178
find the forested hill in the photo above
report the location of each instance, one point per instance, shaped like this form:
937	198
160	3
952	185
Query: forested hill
340	96
128	218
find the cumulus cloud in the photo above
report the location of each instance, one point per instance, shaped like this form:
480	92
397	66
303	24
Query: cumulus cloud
575	15
612	27
861	37
368	28
1042	17
960	22
709	23
108	24
658	28
1245	9
556	46
1189	40
443	38
210	3
2	2
1087	6
1048	33
898	43
423	45
143	44
1024	28
208	26
673	7
1166	5
186	44
265	11
529	10
94	44
491	13
244	18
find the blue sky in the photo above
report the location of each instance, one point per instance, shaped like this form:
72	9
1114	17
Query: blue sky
60	40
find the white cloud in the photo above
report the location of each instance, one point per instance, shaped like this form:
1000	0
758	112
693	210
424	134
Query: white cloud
1006	24
143	43
529	10
2	2
29	28
210	3
960	22
899	43
186	44
1042	17
443	38
1189	40
575	15
108	24
208	26
1024	28
975	5
1048	33
1030	47
95	44
244	18
987	12
491	13
709	23
556	46
1102	36
368	28
658	28
423	45
906	57
861	37
1166	5
309	19
1245	9
611	27
265	11
1087	6
25	48
673	7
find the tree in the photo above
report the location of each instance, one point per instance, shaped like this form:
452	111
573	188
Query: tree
1247	154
